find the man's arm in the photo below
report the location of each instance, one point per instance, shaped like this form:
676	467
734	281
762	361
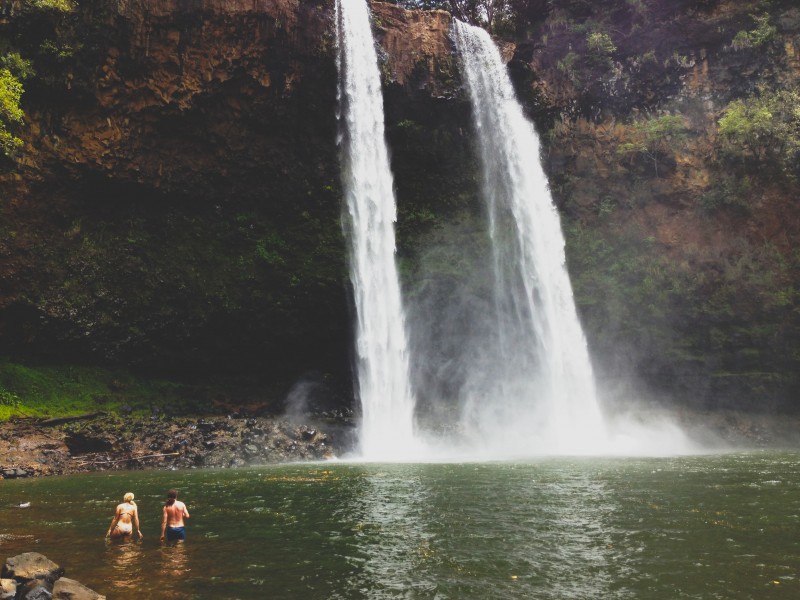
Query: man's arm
164	523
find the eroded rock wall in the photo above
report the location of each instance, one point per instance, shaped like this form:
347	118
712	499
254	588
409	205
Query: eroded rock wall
176	205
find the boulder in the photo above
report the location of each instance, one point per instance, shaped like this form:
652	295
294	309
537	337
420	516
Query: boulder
8	589
69	589
32	565
36	589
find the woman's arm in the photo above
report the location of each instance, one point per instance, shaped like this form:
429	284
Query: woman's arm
136	522
114	520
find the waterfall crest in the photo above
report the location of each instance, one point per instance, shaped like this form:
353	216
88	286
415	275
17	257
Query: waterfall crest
539	394
382	369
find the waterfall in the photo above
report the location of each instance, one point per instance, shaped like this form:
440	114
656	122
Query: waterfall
538	394
382	369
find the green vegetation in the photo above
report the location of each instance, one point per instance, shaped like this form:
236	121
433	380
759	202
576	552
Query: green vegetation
10	112
567	65
66	391
600	46
53	5
764	129
729	316
755	38
731	191
14	68
655	138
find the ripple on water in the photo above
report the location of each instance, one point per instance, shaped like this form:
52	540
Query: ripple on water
555	529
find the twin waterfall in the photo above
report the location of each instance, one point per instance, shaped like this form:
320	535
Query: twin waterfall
538	396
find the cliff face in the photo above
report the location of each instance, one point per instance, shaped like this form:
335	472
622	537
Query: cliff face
682	253
176	204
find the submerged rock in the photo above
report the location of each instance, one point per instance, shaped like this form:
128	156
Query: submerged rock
69	589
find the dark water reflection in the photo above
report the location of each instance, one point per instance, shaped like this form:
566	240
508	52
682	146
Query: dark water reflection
690	527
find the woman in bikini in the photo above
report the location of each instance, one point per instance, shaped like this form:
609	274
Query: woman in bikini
125	518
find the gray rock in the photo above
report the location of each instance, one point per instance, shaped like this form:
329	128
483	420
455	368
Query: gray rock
32	565
8	589
22	473
69	589
36	589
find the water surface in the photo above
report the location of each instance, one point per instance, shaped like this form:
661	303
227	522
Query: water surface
722	526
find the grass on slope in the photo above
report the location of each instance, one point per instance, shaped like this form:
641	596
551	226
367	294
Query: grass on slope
66	391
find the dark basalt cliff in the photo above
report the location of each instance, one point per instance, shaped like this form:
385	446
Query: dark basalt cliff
175	206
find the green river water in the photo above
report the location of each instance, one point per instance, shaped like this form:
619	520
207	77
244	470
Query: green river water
719	526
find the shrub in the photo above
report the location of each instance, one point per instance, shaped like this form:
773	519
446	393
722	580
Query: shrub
755	38
764	128
655	138
600	44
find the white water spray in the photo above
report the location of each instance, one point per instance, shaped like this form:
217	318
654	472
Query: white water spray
539	396
387	403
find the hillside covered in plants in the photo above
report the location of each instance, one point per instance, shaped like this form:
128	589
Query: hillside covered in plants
170	231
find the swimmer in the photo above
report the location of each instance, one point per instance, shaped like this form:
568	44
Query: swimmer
125	518
172	525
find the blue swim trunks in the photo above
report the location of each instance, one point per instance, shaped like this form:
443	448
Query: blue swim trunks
176	533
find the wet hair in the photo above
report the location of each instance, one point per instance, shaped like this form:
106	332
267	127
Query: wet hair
129	498
172	495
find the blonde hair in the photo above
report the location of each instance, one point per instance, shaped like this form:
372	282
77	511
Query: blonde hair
129	498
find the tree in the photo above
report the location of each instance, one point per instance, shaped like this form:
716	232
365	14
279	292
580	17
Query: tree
14	68
764	127
10	112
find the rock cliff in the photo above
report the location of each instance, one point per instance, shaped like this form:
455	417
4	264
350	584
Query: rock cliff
175	207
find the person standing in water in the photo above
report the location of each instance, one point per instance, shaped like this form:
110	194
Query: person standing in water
172	524
125	518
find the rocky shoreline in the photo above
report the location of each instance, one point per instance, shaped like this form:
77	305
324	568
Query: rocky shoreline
37	447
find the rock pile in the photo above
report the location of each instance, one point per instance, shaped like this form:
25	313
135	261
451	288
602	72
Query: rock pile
32	576
113	443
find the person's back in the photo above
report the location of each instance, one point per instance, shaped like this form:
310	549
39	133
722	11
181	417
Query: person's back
175	514
172	525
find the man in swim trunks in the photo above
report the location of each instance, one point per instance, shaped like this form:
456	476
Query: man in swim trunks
172	525
125	517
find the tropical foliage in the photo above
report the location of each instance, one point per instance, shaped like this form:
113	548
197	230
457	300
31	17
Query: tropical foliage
765	129
10	112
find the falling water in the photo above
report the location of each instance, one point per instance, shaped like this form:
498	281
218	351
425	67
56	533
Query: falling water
383	387
539	394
